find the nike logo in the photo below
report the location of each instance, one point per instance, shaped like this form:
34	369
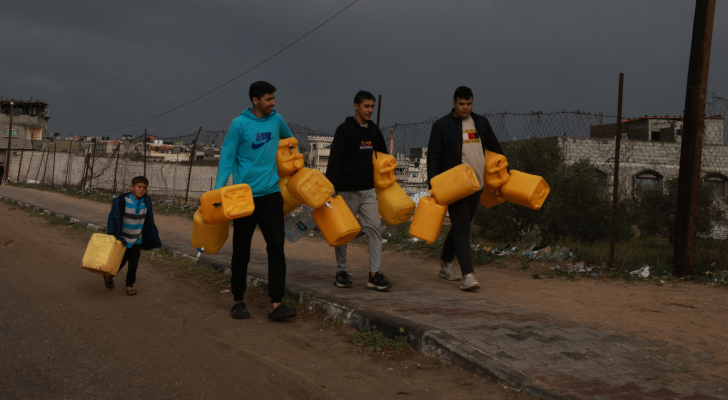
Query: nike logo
261	139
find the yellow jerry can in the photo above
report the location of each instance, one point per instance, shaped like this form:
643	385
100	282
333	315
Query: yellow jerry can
428	220
288	159
103	254
496	172
394	204
491	197
289	200
336	222
454	184
207	237
310	187
384	166
526	190
226	203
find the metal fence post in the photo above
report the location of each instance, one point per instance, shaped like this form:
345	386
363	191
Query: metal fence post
615	189
116	168
37	175
27	173
691	152
192	158
10	138
45	169
21	164
144	149
54	164
379	109
93	161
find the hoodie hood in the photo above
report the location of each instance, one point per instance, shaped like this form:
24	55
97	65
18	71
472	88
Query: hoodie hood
249	115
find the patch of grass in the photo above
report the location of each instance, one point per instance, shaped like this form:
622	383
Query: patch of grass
373	340
334	323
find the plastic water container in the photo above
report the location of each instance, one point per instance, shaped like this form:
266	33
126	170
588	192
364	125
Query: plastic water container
298	226
496	172
336	222
454	184
288	159
428	220
226	203
491	197
289	200
526	190
394	204
384	166
310	187
208	237
103	254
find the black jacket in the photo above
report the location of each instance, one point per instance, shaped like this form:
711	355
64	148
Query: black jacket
445	149
2	172
350	165
150	235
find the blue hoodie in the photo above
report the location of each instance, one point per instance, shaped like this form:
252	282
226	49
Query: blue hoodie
249	152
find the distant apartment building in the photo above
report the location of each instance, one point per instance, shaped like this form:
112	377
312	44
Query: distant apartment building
319	148
30	125
411	172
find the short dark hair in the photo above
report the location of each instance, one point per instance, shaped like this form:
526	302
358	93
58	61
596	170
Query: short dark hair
363	95
140	179
260	89
463	92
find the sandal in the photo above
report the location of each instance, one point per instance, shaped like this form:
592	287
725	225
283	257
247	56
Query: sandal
131	292
108	284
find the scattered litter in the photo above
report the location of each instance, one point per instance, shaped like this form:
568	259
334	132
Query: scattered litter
414	240
555	267
661	281
384	241
723	274
644	272
8	243
225	291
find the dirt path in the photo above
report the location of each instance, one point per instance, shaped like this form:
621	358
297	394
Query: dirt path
63	335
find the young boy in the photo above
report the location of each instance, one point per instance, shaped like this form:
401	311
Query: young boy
249	155
131	220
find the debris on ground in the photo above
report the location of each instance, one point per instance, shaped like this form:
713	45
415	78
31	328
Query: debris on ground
643	272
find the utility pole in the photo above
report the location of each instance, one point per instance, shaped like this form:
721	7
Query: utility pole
615	189
10	138
391	140
379	109
192	158
691	153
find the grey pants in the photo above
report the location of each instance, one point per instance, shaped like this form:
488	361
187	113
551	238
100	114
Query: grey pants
364	203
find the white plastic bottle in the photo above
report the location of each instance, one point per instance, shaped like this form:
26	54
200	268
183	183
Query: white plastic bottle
300	225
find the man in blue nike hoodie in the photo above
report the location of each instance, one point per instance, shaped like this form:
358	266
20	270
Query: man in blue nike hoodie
249	154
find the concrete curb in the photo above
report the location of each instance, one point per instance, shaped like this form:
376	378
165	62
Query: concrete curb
423	338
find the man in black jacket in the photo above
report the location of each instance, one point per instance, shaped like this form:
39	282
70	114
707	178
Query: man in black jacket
460	137
351	170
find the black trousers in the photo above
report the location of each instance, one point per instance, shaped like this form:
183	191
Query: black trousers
131	255
457	243
269	217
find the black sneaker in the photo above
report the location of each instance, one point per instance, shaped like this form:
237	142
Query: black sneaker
239	311
342	279
379	282
281	312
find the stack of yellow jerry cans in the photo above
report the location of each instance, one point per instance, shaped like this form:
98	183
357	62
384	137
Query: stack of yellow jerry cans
461	181
394	204
308	186
211	222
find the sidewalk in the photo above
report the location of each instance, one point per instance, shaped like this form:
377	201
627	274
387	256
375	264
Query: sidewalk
566	352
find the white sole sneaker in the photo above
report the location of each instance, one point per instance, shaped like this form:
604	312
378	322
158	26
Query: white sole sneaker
380	288
449	274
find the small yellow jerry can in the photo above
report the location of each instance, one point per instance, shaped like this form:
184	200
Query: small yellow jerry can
288	159
384	166
310	187
394	204
336	222
207	237
103	254
491	197
526	190
496	172
226	203
289	200
454	184
428	220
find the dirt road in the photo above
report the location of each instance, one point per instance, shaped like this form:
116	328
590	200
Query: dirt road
64	335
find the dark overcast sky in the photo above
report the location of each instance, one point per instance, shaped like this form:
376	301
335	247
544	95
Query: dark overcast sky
102	64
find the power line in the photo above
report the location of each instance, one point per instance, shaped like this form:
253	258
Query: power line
234	78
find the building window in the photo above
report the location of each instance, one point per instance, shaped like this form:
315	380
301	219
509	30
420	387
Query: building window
718	185
655	136
646	181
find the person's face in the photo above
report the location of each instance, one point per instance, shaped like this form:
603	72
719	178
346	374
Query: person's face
463	107
139	190
365	109
265	104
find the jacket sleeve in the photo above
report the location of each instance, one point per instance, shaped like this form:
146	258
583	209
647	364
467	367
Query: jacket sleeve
380	144
227	154
152	225
111	227
336	155
490	141
434	152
